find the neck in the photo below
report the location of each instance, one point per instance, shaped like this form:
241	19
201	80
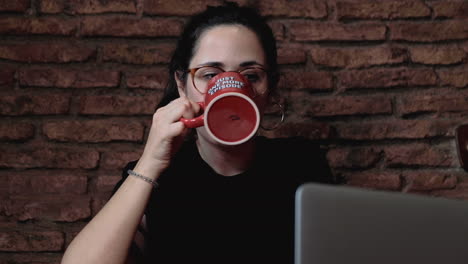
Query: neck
227	160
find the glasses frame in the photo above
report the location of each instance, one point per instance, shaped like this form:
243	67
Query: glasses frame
192	72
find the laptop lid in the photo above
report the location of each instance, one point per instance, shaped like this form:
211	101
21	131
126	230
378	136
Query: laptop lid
347	225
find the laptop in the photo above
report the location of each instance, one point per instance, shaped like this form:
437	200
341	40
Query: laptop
351	225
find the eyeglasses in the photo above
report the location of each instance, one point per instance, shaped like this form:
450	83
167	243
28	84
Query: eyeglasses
257	77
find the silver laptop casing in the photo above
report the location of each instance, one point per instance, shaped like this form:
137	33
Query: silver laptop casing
351	225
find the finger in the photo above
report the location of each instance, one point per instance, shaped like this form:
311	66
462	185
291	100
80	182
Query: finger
189	109
179	108
177	129
173	111
196	107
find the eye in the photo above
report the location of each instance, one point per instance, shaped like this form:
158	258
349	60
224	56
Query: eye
253	75
207	73
208	76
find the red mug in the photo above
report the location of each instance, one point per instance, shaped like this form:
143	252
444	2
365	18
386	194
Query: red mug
230	116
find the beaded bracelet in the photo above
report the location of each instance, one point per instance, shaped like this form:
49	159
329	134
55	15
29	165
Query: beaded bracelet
146	179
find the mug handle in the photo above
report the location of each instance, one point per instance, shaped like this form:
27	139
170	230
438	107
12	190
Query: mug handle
196	121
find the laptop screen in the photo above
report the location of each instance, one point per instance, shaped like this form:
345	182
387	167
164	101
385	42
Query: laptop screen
347	225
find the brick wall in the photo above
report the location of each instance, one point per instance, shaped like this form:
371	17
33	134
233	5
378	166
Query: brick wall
383	83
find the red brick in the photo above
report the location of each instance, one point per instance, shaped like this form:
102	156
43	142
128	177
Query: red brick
45	52
43	25
343	106
300	8
7	76
36	241
60	209
14	6
358	57
124	53
32	258
105	184
74	210
380	180
51	6
49	158
429	180
429	31
432	54
6	88
419	155
118	160
312	130
98	202
44	182
278	29
157	79
4	185
433	103
381	9
459	192
353	157
16	131
386	78
319	31
73	231
118	105
69	78
465	47
316	81
34	104
175	8
401	129
94	131
457	77
122	26
99	6
60	183
291	55
450	8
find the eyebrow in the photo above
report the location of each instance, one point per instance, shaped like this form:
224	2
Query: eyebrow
220	64
250	63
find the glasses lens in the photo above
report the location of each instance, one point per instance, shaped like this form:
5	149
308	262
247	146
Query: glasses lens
257	78
203	75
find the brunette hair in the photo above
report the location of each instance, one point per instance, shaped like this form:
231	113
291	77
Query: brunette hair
228	14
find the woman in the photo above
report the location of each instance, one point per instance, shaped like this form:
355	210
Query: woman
215	203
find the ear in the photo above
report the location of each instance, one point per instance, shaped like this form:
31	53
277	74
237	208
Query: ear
180	84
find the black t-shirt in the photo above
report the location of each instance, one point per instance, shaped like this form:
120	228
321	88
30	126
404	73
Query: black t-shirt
199	216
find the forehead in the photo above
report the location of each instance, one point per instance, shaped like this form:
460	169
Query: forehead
228	44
